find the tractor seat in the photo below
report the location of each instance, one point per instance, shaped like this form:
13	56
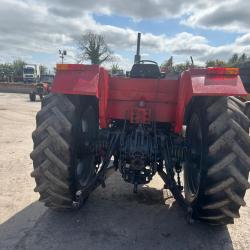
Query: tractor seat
140	70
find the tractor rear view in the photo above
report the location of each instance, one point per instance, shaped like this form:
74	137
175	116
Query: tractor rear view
93	124
41	89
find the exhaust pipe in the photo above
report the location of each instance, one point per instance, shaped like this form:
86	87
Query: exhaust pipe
138	54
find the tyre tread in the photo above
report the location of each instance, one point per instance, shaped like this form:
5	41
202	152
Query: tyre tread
51	153
228	161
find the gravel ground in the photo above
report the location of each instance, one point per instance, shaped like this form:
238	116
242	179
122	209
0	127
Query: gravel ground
113	218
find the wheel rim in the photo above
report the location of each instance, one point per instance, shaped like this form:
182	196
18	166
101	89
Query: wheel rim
194	164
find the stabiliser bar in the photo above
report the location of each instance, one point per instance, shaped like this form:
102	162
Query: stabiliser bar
169	180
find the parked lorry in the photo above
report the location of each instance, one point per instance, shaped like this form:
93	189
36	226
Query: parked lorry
92	124
31	73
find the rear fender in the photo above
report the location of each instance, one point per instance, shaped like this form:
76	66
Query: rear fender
195	82
76	79
84	80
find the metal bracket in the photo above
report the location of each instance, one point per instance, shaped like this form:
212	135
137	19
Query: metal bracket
105	171
170	183
82	194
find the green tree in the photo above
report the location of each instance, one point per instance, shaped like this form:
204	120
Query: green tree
243	58
18	68
115	68
233	60
236	60
168	63
211	63
93	47
6	72
181	67
171	67
215	63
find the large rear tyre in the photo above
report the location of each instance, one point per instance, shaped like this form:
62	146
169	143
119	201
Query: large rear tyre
216	172
60	147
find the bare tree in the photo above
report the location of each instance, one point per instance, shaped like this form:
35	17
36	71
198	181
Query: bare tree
92	47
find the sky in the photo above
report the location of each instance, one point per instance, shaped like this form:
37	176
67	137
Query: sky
35	30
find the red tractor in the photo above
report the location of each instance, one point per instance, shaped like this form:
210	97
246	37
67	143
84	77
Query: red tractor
42	89
93	124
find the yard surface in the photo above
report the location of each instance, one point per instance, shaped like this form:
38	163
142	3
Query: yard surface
113	218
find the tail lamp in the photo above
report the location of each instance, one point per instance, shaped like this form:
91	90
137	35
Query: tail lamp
223	71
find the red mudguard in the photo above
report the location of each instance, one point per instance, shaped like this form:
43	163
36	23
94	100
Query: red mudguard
76	79
143	100
195	82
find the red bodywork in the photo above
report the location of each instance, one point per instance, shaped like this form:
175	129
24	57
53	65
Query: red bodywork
143	100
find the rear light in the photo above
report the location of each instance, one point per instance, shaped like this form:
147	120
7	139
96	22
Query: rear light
70	67
62	66
223	71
